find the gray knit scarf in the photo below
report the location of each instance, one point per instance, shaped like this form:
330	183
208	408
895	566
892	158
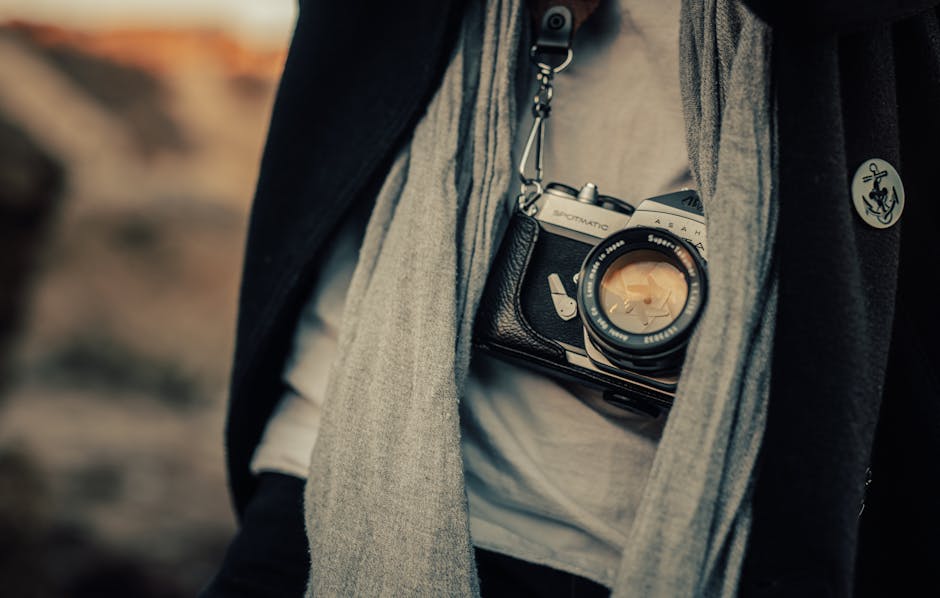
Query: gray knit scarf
386	508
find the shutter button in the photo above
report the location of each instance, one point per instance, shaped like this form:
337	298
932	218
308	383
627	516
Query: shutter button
878	193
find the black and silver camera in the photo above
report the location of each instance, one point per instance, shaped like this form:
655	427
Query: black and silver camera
587	288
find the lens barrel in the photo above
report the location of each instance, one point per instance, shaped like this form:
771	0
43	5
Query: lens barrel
640	293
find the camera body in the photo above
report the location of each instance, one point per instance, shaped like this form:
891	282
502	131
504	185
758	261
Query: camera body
586	288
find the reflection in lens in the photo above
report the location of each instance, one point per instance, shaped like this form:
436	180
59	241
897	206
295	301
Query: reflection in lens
642	292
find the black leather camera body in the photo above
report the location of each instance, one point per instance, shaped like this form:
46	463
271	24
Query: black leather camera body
587	288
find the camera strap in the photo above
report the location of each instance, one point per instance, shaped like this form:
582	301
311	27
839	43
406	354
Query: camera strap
555	23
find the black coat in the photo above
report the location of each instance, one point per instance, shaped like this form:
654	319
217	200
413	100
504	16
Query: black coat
854	379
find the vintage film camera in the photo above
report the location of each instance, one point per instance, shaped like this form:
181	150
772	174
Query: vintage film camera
587	288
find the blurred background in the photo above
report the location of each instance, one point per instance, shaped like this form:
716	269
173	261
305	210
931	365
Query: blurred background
130	135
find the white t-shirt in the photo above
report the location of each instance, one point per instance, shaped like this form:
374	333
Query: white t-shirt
553	475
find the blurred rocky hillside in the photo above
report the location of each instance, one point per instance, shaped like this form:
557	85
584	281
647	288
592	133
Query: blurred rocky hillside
127	161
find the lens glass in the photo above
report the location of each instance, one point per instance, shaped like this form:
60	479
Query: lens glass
643	292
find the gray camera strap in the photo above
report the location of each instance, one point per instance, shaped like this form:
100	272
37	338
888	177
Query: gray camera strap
386	509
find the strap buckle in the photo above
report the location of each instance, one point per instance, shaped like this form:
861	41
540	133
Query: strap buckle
552	48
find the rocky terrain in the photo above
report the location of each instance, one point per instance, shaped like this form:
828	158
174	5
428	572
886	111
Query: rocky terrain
118	324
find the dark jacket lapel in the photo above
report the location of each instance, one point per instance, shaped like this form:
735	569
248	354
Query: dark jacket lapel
843	99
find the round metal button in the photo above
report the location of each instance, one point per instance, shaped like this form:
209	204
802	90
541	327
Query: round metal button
878	193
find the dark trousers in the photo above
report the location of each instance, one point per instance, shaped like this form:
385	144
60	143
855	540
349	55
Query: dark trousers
268	556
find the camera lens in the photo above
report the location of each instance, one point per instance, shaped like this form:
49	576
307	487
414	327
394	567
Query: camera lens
640	294
643	291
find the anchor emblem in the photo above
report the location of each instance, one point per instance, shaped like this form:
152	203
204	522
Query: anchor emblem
878	193
877	202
